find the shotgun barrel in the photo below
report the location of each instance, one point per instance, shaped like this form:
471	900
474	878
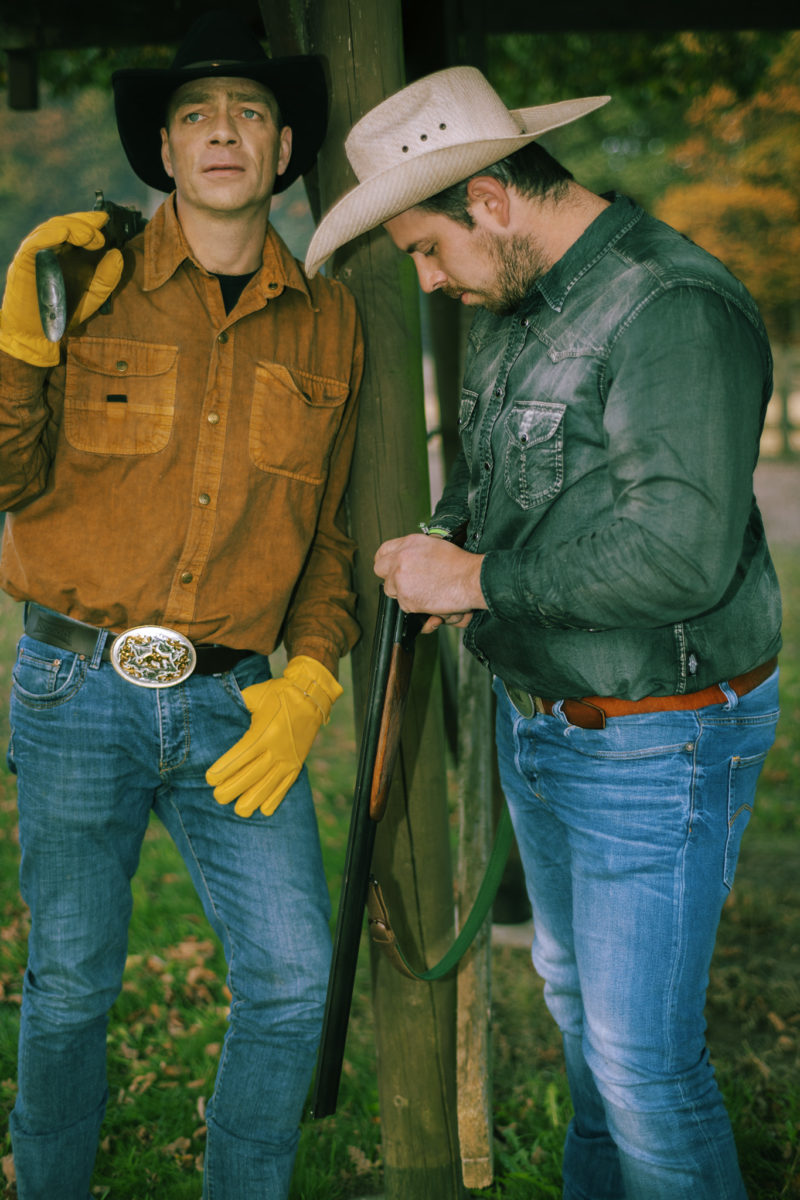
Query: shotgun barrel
389	677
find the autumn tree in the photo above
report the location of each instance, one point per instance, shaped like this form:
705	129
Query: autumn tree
739	199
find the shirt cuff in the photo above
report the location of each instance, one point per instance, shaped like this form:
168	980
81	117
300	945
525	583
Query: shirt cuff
499	571
318	649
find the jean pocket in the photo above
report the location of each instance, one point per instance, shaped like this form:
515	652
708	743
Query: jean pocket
253	669
534	452
742	780
44	680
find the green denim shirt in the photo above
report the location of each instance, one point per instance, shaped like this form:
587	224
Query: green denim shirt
609	432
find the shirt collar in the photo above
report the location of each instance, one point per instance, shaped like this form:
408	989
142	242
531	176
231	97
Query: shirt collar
166	248
600	237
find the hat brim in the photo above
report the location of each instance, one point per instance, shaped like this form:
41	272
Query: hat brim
391	192
298	84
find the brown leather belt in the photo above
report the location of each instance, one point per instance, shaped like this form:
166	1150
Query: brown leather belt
53	628
590	712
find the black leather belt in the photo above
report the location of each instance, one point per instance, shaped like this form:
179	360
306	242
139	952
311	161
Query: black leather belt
55	629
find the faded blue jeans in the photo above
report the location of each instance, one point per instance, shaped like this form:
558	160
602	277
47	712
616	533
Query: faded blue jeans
95	755
629	837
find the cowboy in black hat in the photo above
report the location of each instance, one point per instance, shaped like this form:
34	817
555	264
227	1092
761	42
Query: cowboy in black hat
173	473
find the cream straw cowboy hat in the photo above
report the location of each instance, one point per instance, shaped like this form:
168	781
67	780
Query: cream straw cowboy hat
433	133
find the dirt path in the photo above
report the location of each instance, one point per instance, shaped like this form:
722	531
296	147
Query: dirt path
777	487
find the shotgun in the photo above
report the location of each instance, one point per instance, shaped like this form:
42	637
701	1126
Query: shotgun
389	676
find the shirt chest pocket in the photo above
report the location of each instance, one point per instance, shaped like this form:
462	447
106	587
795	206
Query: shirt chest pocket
534	452
466	421
119	396
294	421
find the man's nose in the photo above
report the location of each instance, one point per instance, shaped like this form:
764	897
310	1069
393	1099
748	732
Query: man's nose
430	277
223	129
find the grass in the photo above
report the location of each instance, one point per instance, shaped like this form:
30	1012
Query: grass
168	1023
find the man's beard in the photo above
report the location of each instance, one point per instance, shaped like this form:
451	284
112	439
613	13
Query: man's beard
519	263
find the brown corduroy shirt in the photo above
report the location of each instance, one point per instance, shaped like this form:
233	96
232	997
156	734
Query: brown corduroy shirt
186	468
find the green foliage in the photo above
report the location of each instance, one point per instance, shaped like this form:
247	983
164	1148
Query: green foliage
779	785
738	196
668	131
53	161
650	68
67	74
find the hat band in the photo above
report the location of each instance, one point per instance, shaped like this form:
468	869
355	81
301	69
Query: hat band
211	62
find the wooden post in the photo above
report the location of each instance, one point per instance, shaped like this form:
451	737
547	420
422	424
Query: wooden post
388	495
474	1074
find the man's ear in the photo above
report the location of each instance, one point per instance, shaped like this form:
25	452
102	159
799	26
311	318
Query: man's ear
284	149
489	201
165	158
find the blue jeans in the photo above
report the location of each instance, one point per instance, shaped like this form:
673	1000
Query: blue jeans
629	837
94	756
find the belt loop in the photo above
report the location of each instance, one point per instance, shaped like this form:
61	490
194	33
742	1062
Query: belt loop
733	699
96	660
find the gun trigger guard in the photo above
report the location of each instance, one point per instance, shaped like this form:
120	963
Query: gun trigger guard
380	928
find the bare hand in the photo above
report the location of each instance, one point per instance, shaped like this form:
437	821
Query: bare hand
430	575
457	620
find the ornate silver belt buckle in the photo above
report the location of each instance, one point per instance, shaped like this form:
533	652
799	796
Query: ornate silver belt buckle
152	656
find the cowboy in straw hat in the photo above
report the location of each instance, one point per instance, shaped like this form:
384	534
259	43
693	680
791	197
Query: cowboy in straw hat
614	578
173	483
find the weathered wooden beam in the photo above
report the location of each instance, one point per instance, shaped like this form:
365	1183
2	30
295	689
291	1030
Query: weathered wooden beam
474	1073
23	80
361	41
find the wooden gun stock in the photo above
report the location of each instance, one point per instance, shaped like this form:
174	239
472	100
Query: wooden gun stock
401	661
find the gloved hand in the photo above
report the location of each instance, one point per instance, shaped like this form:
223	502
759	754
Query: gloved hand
21	333
287	712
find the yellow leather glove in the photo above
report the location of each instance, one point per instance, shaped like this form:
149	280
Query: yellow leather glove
287	713
21	333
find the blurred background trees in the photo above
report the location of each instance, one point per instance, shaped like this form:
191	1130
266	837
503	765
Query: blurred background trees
703	130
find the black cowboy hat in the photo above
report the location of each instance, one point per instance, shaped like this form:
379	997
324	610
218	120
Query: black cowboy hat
220	44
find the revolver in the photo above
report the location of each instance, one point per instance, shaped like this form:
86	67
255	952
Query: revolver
57	293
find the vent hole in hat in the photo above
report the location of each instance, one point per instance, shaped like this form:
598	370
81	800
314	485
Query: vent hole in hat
423	137
405	149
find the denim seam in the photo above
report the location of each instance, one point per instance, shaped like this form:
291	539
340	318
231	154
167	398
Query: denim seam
165	768
228	946
680	942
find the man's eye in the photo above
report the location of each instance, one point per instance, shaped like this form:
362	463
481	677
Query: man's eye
250	114
430	250
192	118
